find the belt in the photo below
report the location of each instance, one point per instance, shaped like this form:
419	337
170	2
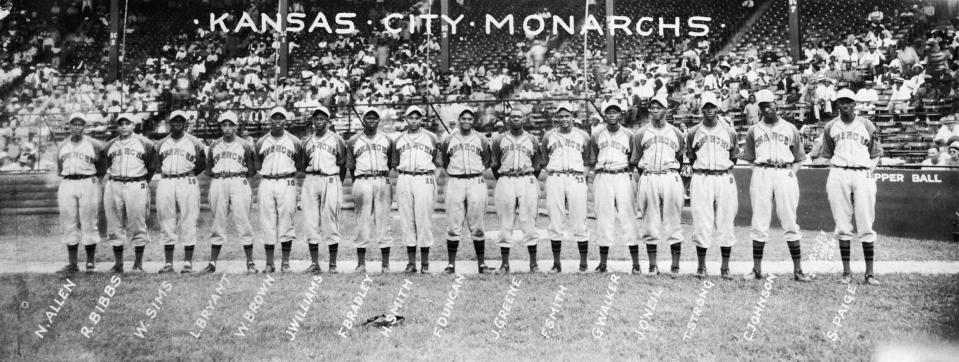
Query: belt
278	177
230	175
710	172
180	175
127	179
852	168
77	177
372	175
318	173
567	172
622	170
663	172
467	175
769	165
416	173
517	174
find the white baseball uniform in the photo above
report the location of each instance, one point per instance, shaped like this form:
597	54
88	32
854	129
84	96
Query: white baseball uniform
126	195
659	153
416	159
231	164
465	159
179	161
515	159
567	155
78	197
772	149
280	158
714	198
613	186
851	149
369	158
325	157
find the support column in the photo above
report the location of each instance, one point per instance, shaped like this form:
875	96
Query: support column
795	48
610	36
444	37
114	66
284	50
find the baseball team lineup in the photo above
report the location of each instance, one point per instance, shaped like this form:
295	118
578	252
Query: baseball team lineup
634	175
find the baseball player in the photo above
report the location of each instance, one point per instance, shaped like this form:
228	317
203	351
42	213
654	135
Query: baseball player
131	160
569	159
281	155
368	160
466	154
80	165
613	187
659	149
416	160
324	158
231	161
774	148
516	162
850	144
180	158
712	148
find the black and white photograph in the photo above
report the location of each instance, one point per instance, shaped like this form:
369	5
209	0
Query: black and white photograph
479	180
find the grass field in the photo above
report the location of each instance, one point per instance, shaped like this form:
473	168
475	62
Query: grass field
36	238
796	321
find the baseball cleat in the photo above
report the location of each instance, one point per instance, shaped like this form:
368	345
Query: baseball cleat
251	268
724	273
410	269
556	269
583	269
285	268
167	268
187	268
385	269
69	269
845	279
601	268
533	268
636	270
137	269
674	271
483	269
332	269
450	269
799	276
653	270
424	268
360	269
871	280
117	269
209	269
90	268
754	275
503	270
313	269
269	268
701	273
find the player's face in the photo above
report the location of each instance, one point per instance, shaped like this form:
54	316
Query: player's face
768	110
954	153
125	127
371	121
228	128
656	111
177	125
76	128
614	116
847	108
277	122
414	121
516	120
565	119
466	121
320	120
709	112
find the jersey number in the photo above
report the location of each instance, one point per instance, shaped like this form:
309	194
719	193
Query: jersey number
291	182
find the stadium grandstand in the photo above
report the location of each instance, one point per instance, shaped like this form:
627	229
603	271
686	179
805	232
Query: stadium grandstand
900	56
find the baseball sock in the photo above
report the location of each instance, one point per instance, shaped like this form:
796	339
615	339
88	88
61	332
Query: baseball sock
504	256
634	254
118	254
651	253
385	252
248	251
451	246
411	254
188	254
333	248
844	253
725	251
360	256
269	253
557	247
758	255
424	256
603	254
215	253
72	253
675	250
583	250
138	255
532	254
168	254
314	253
285	248
480	247
701	256
91	252
796	253
867	254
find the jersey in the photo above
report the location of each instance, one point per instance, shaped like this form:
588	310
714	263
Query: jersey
131	157
852	144
658	149
233	157
712	149
368	155
567	151
177	157
613	150
416	152
775	144
279	156
80	158
465	155
516	153
324	154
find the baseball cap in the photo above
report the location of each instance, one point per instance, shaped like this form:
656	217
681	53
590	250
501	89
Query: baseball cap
320	109
709	98
565	106
178	114
228	116
371	110
129	117
846	93
954	145
610	105
469	109
661	99
281	111
77	115
414	109
765	96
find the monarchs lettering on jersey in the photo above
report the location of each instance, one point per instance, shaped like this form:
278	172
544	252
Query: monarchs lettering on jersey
322	146
125	152
712	139
614	145
559	142
517	147
851	136
781	138
78	156
278	149
649	142
465	147
179	152
428	148
359	151
227	155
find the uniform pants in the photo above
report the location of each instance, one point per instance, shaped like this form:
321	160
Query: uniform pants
321	198
510	194
779	184
661	202
125	205
612	201
852	192
466	198
277	199
372	199
566	206
230	199
79	203
714	201
178	205
415	195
